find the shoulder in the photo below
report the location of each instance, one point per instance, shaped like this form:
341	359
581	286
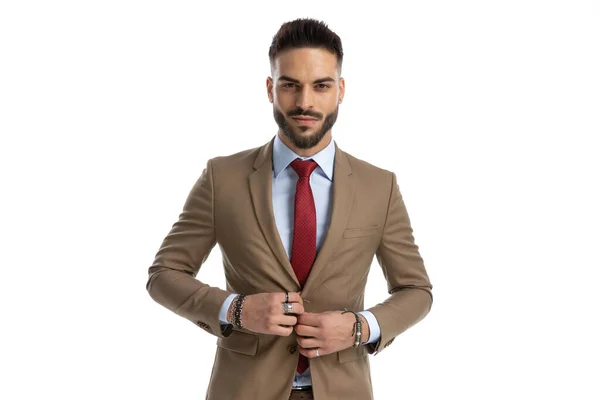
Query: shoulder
374	185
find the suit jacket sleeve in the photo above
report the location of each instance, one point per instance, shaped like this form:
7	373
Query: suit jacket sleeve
172	277
408	284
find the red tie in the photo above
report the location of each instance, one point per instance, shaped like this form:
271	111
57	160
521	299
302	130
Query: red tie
304	245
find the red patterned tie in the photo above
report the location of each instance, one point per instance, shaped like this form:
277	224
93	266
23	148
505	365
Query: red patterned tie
304	245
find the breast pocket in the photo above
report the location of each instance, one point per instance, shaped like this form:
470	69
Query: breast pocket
360	232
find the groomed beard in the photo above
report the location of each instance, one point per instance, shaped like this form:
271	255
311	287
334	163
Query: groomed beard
312	140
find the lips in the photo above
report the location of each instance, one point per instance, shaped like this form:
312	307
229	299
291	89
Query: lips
304	118
305	121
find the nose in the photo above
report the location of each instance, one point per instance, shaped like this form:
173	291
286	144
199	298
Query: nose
304	98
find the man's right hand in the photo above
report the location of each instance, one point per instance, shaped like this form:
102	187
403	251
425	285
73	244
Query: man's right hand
263	313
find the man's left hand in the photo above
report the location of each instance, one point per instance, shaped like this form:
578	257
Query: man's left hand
330	331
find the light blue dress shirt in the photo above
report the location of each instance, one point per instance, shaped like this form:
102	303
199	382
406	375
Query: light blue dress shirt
284	192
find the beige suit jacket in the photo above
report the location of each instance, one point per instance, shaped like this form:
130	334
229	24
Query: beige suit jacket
230	204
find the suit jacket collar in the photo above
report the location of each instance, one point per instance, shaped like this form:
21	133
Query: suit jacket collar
283	156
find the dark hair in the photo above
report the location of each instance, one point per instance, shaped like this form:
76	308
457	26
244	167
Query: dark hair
306	32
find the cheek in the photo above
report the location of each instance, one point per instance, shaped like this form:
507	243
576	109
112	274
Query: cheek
283	97
284	105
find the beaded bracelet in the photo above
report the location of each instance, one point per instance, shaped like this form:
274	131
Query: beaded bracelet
233	308
239	303
356	329
231	317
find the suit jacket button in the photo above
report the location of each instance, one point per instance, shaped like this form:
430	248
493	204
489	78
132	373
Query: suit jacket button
292	348
203	325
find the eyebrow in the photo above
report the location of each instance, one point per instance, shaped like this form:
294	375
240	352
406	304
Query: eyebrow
321	80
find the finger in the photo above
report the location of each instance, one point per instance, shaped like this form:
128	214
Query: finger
309	343
310	319
306	330
310	353
287	320
294	297
297	308
282	330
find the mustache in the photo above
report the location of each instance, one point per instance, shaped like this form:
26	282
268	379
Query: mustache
299	112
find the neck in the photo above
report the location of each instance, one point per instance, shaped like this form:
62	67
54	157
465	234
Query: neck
306	152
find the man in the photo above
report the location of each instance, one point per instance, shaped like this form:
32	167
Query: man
298	222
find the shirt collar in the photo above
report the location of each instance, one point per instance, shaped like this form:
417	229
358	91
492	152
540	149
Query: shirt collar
283	156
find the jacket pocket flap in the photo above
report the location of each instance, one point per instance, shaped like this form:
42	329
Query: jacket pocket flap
240	342
352	353
357	232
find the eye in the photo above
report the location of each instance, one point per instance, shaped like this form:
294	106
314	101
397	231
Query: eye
286	85
323	86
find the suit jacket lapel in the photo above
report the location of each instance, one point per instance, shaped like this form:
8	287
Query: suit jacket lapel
261	193
343	196
261	181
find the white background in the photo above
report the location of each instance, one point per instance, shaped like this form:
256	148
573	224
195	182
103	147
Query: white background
487	112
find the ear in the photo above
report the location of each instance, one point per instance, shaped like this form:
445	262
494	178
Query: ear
342	90
270	88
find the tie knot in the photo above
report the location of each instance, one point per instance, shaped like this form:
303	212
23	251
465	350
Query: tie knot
303	167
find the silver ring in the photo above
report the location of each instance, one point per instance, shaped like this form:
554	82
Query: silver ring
287	297
287	308
317	350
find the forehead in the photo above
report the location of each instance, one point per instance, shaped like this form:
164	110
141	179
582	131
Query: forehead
305	64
